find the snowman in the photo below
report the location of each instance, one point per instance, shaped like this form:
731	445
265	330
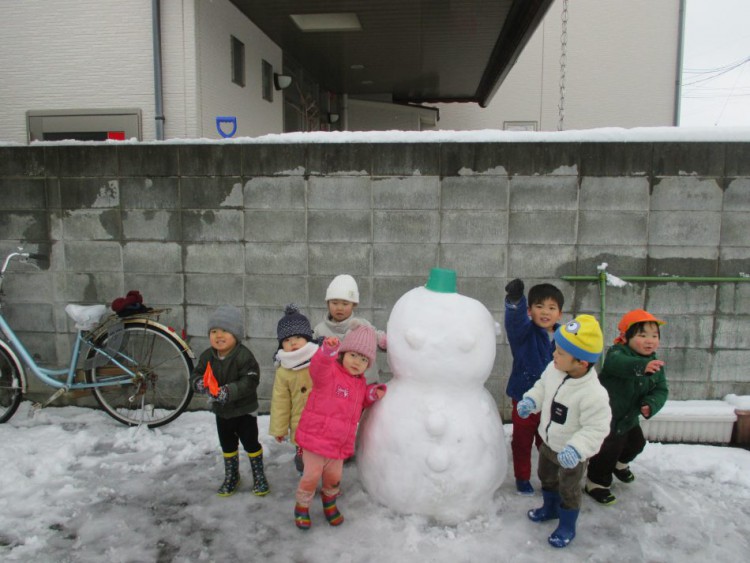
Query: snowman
434	445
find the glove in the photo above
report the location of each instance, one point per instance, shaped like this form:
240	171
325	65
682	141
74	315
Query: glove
525	407
223	395
514	290
198	386
569	457
382	340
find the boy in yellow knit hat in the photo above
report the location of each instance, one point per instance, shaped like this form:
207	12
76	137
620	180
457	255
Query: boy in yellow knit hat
575	418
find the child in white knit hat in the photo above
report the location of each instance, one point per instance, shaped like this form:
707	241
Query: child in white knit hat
229	373
342	298
329	421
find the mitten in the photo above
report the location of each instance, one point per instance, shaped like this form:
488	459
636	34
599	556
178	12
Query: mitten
525	407
198	385
569	457
514	290
382	340
223	395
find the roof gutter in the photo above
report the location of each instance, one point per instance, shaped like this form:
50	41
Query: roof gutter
158	94
680	55
519	26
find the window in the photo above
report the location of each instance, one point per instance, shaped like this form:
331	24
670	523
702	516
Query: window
267	80
238	61
520	125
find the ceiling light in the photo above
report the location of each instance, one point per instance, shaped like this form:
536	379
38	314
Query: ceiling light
345	21
357	67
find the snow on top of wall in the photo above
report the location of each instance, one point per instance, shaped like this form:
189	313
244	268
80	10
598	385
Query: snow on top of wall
605	134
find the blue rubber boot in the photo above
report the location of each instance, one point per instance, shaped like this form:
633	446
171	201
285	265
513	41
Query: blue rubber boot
566	531
549	510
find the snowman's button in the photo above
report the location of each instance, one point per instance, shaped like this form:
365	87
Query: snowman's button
466	342
415	338
436	424
438	460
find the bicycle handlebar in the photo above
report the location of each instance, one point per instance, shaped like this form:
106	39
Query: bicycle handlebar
20	255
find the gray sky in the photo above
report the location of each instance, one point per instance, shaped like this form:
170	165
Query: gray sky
717	37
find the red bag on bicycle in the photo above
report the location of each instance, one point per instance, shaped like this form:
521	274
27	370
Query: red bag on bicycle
131	304
209	381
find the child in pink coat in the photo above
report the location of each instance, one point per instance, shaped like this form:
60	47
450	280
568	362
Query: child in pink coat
328	427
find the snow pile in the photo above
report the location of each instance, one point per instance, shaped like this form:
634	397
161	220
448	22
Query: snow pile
79	487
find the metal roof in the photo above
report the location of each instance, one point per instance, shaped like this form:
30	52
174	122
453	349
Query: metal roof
413	50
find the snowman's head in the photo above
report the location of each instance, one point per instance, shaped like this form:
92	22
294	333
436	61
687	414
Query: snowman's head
440	337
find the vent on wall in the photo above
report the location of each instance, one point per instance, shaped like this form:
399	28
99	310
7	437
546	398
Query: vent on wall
84	124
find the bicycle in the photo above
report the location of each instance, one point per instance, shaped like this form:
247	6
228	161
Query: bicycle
138	369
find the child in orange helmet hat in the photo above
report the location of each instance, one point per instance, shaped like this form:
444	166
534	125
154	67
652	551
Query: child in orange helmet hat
636	384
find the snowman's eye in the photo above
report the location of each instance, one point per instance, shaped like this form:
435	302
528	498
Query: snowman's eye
415	338
466	342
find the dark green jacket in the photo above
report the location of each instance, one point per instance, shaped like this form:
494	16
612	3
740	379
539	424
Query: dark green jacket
239	371
630	388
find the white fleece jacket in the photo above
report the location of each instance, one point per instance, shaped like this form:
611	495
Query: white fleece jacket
575	411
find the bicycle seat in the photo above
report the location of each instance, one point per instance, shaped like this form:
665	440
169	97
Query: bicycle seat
86	317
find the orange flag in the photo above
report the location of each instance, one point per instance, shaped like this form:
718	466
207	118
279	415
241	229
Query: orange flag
209	381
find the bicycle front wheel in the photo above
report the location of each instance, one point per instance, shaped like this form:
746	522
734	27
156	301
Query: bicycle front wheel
160	390
10	385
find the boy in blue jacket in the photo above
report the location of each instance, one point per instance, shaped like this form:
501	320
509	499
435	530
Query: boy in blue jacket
530	329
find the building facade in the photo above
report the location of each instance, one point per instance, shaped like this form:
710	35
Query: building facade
621	68
88	67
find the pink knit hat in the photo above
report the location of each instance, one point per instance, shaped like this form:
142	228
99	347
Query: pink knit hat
361	340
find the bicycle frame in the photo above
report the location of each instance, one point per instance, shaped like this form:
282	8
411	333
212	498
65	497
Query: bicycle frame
53	377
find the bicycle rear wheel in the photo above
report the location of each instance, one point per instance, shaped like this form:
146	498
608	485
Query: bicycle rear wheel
11	390
160	392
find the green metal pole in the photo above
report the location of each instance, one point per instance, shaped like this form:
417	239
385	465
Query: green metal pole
602	297
690	279
602	279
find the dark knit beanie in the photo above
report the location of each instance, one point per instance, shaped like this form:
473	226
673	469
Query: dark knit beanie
229	318
293	323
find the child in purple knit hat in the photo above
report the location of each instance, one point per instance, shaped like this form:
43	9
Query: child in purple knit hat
329	421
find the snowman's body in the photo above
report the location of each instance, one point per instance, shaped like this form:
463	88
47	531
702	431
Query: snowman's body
435	445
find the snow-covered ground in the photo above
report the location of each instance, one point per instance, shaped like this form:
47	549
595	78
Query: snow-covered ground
79	487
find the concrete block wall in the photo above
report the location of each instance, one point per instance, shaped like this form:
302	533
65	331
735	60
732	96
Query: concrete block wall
193	226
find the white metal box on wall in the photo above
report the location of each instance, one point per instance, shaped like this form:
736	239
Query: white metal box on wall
691	421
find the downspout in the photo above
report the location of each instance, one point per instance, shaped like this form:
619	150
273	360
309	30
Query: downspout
344	112
680	55
158	95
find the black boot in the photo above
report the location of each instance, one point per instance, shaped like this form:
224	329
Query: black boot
260	484
231	475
